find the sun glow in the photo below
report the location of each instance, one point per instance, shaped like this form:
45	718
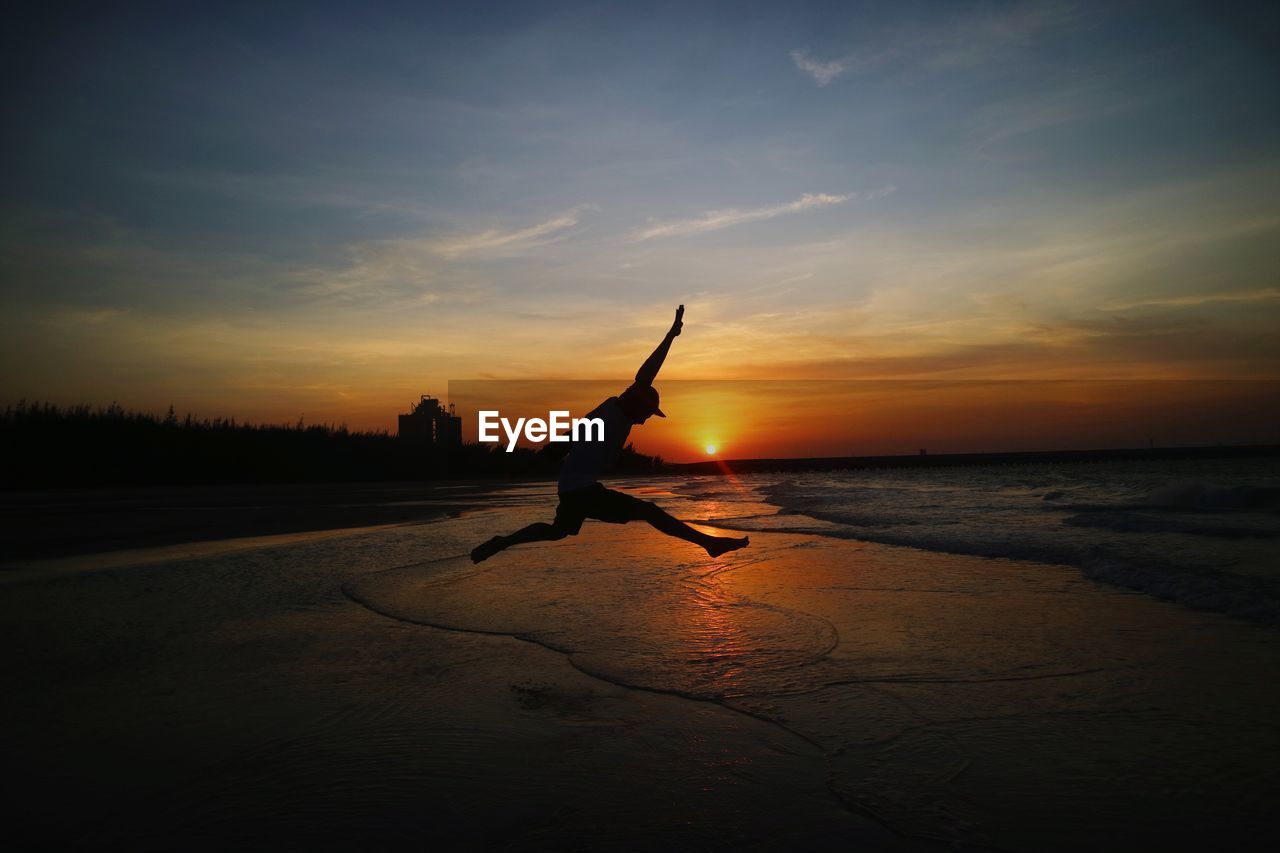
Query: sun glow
711	449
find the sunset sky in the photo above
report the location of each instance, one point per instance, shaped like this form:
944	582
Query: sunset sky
327	210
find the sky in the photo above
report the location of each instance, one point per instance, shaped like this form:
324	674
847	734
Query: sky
326	210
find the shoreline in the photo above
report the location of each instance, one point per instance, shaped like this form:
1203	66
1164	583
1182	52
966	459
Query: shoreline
18	571
928	668
243	698
54	524
368	688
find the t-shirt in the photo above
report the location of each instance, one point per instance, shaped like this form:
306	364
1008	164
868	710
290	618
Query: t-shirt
586	459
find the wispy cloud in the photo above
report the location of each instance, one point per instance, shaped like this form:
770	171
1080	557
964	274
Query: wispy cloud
464	244
408	271
420	270
1048	108
1196	300
821	72
714	220
948	44
984	35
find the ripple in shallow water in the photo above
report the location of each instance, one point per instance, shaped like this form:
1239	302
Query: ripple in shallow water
662	624
952	697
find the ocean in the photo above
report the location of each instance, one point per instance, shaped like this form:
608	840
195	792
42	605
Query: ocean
1200	532
975	653
1049	657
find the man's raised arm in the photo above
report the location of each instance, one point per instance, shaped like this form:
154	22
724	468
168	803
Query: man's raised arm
649	370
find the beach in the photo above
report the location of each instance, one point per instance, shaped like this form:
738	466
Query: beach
556	427
368	686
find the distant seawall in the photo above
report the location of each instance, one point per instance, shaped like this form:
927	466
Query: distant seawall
946	460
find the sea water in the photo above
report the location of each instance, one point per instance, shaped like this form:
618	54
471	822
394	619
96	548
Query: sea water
976	653
1205	533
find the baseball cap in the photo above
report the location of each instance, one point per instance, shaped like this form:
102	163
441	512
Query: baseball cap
648	396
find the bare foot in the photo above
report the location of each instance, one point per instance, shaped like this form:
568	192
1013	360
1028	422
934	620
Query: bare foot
724	544
486	550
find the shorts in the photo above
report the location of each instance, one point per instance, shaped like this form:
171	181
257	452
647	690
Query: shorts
599	503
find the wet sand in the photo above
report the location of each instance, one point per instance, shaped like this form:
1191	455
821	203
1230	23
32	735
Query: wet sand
372	689
244	699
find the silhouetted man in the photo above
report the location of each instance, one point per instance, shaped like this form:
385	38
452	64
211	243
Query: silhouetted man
582	496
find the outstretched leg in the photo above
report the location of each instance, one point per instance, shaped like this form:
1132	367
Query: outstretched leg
539	531
672	526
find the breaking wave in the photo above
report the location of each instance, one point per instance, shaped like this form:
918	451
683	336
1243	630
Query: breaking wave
1206	544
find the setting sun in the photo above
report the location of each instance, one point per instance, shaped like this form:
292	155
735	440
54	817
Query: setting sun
711	449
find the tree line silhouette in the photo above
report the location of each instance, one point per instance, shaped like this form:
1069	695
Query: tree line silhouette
50	446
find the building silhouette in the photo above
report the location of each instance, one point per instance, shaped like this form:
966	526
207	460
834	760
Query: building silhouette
429	422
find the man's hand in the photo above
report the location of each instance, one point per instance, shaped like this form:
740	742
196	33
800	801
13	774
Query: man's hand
649	370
